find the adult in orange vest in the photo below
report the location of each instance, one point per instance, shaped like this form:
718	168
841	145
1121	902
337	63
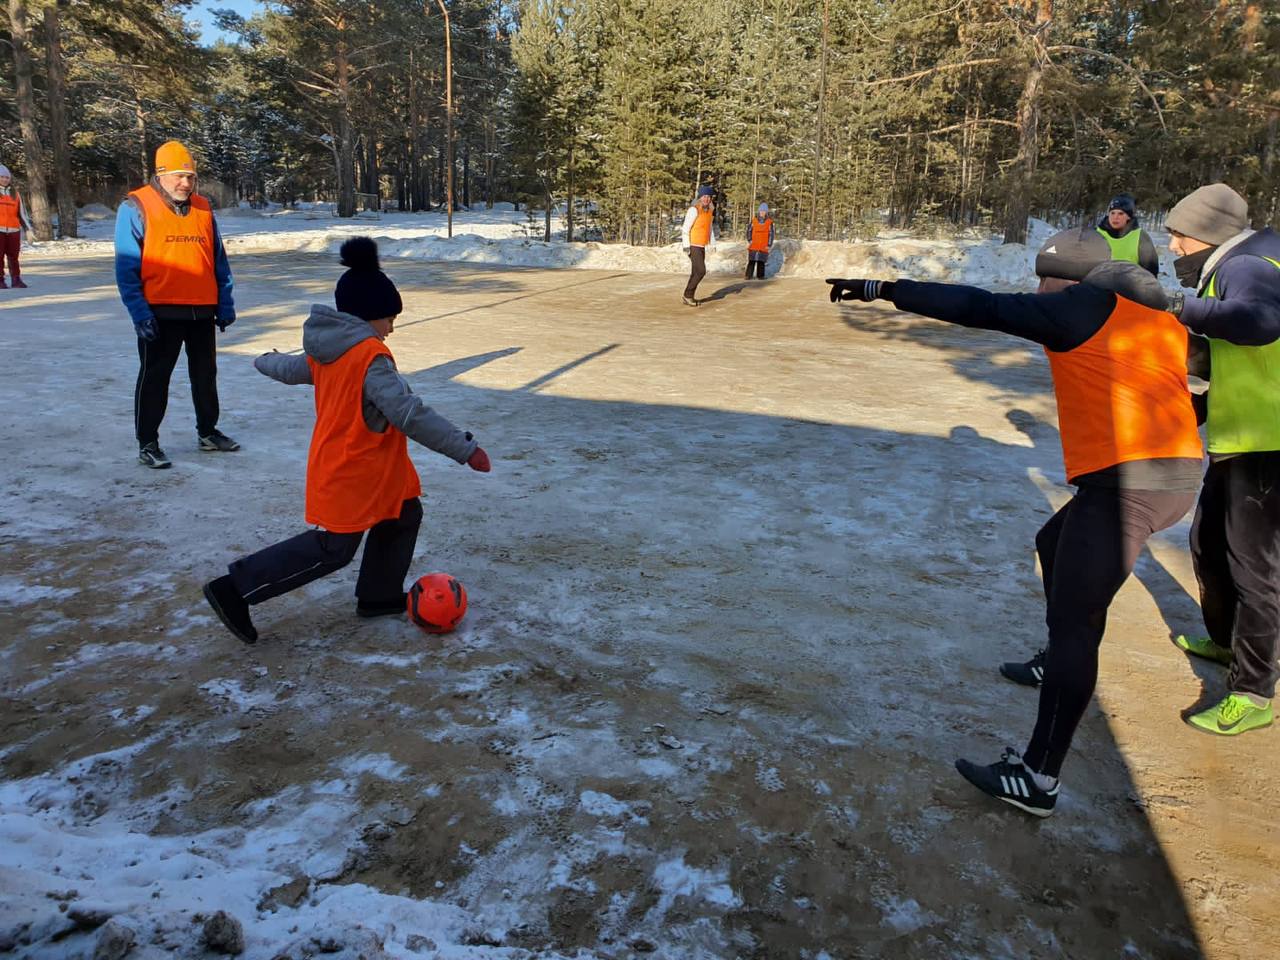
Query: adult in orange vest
174	279
359	476
697	233
759	242
1131	448
13	220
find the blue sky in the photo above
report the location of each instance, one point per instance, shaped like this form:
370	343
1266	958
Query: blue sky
200	13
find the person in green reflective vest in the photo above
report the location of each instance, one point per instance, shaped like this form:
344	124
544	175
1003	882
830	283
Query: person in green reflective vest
1235	537
1119	227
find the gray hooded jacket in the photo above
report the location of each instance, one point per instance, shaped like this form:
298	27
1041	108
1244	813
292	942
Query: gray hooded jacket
388	399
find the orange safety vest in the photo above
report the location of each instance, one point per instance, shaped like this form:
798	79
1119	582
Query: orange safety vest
356	478
700	232
760	235
10	211
177	252
1122	395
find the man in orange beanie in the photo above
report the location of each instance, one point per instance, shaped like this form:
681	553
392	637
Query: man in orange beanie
360	479
173	275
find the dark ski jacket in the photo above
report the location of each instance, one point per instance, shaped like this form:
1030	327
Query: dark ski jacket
1245	307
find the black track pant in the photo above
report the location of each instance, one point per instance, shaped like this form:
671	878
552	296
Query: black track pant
1087	551
1235	545
157	359
309	556
757	267
697	270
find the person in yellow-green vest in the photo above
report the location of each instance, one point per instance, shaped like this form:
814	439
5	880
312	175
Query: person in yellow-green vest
1235	537
1119	227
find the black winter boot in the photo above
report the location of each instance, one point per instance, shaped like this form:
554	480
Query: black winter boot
231	608
382	608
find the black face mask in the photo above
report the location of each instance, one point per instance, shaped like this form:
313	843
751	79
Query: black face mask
1188	268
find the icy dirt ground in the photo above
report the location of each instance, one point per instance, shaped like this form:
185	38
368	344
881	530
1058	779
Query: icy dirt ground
739	583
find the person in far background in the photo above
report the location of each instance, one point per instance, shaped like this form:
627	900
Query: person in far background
1119	227
759	241
696	234
13	220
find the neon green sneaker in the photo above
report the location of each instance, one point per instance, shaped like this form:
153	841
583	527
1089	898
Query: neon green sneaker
1203	647
1235	714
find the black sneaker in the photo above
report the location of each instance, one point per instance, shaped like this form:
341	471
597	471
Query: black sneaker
230	608
150	455
217	441
382	608
1029	674
1009	780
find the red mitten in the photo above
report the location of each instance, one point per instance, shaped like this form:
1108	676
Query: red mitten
479	461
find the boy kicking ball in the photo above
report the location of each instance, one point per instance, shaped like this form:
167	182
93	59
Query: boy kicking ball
359	476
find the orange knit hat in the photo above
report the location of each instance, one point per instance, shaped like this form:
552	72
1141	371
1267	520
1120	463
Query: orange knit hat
173	157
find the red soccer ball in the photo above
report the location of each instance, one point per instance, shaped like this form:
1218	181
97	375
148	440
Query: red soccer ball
437	602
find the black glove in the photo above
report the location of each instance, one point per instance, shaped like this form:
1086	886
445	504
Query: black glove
1177	301
864	290
224	320
147	329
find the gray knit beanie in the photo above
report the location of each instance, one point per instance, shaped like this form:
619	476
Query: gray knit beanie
1213	214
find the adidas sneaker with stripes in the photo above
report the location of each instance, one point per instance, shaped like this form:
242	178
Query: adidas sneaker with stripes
1009	780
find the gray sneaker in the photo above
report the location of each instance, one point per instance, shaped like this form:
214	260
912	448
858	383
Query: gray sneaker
217	441
152	456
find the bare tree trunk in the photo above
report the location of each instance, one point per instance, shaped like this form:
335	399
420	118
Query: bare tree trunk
822	99
144	154
466	174
371	175
546	213
569	205
58	121
1018	208
24	93
490	136
414	172
346	147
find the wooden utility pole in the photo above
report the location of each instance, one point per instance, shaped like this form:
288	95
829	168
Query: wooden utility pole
448	113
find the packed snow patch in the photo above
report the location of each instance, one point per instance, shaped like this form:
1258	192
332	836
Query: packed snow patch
504	237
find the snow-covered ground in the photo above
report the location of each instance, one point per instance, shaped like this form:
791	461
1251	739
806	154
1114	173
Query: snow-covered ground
506	237
739	582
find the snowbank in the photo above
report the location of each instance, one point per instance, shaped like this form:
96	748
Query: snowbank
506	237
95	211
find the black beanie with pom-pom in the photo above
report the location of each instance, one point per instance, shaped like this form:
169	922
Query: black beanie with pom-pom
364	291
